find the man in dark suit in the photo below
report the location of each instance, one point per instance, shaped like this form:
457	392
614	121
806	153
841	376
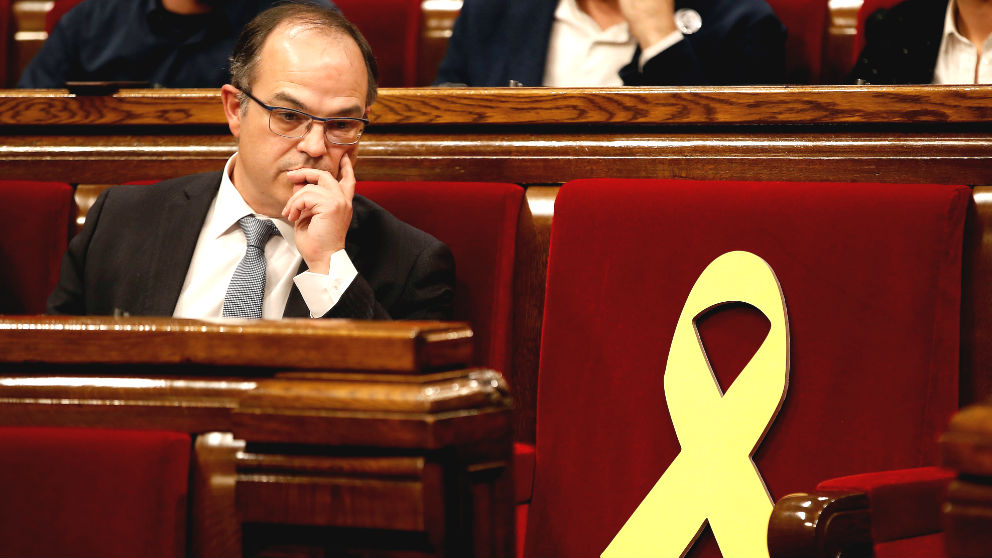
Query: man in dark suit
313	247
644	42
927	41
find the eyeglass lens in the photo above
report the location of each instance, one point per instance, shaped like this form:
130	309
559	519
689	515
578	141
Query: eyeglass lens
292	124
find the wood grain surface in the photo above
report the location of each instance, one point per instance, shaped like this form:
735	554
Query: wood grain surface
406	346
539	106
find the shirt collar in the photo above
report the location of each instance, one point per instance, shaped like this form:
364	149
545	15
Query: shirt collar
950	23
568	11
230	206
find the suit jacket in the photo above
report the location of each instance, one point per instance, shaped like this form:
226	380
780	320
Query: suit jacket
135	249
495	41
901	44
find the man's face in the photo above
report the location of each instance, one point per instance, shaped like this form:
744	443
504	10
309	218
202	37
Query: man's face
305	68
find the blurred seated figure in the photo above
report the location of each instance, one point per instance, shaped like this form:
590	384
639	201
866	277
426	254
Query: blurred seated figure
590	43
928	41
167	43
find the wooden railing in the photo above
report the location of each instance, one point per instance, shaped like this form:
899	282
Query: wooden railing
301	415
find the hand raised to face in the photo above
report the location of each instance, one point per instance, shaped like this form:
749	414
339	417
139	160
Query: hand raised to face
650	20
320	210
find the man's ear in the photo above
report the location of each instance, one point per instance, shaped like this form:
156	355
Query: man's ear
232	108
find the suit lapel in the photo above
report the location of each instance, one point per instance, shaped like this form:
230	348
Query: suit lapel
176	235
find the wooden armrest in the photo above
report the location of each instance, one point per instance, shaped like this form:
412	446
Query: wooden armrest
822	523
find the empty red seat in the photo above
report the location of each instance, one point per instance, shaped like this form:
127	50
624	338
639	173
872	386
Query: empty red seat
34	230
392	28
93	492
871	280
478	221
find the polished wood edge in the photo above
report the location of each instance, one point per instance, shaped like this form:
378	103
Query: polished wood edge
411	467
966	445
822	523
215	531
399	346
456	390
372	429
472	389
529	105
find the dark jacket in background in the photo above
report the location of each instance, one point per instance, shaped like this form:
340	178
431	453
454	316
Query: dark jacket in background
901	44
495	41
138	40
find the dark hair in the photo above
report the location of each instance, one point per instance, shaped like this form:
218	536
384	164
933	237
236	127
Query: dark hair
248	47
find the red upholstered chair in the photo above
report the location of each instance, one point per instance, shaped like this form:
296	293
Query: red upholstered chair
92	492
392	28
34	230
806	24
871	278
868	7
478	221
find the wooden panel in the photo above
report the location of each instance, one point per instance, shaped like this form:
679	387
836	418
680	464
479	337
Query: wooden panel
317	344
540	106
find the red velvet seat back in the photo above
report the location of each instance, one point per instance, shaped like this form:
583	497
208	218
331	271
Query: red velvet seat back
478	221
392	28
92	492
806	24
871	276
34	231
867	8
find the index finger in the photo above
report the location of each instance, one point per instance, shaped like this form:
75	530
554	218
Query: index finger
347	181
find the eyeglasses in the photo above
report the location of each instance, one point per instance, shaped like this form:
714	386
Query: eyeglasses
293	124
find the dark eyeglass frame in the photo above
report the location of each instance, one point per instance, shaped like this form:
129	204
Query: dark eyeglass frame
310	122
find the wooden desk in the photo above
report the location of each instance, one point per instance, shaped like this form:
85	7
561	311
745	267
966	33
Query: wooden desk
311	437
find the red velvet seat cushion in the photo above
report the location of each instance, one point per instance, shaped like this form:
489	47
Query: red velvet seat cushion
34	232
871	277
478	221
92	492
904	503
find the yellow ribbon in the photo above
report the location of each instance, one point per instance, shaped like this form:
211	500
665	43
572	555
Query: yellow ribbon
714	477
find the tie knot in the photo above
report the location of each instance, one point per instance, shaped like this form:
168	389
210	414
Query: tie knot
257	231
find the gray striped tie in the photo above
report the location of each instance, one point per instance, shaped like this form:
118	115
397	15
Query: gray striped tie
247	287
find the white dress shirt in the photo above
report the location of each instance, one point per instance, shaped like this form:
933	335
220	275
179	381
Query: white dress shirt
957	60
222	245
581	54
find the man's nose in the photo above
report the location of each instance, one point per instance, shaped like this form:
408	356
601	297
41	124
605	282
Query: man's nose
313	143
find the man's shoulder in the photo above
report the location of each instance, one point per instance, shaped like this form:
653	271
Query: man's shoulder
730	10
189	186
